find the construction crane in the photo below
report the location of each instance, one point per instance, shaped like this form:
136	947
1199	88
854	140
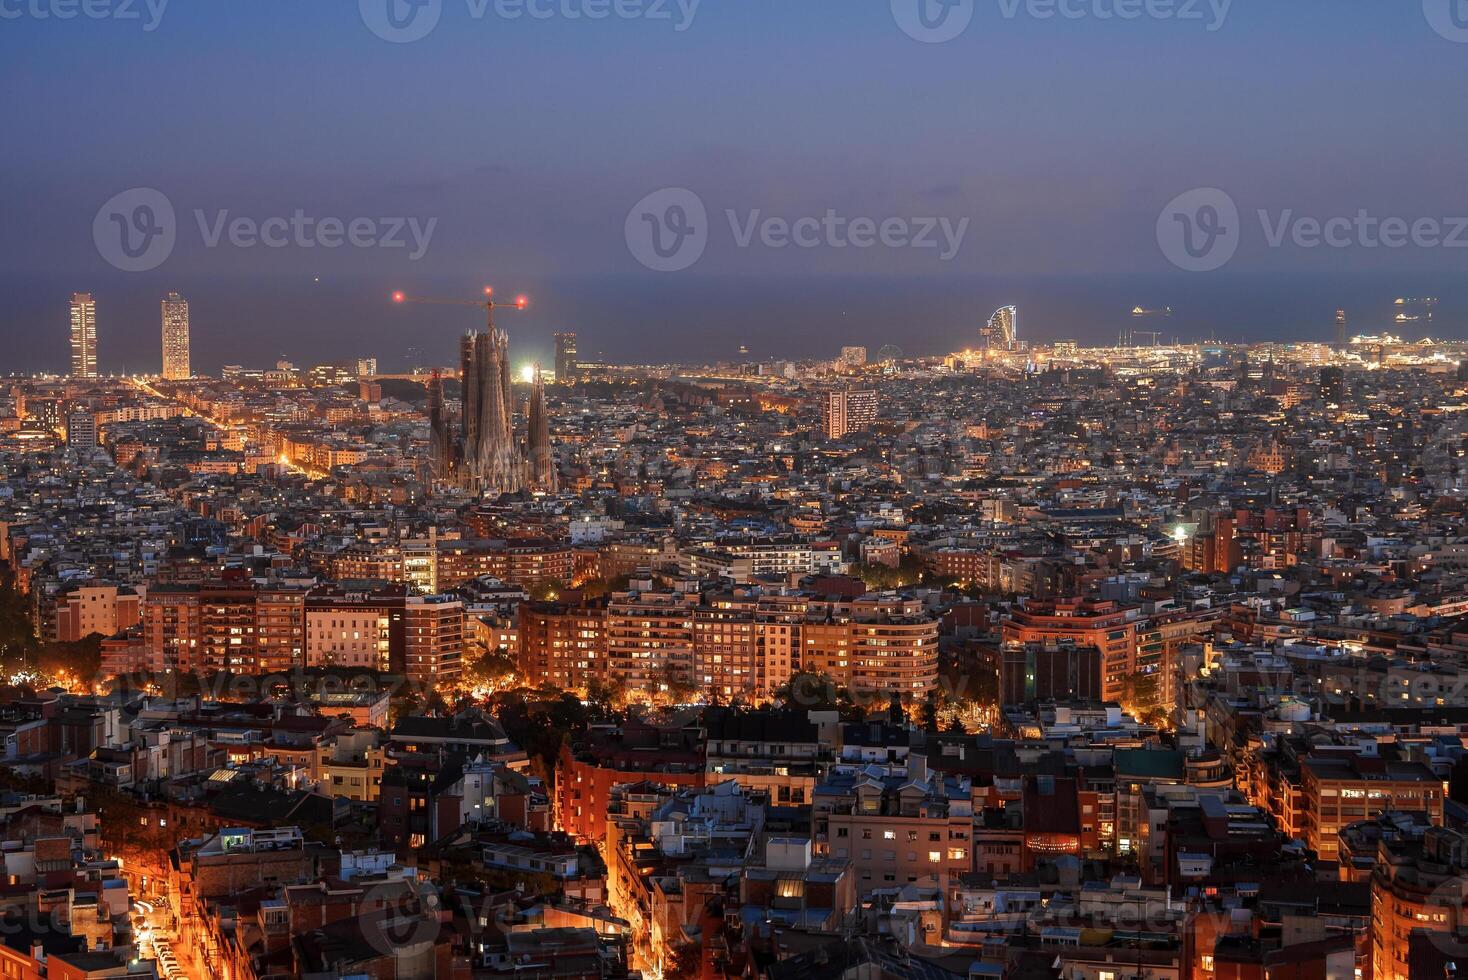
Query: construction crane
489	304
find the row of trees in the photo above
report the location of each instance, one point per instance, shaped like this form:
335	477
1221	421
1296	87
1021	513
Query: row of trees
21	652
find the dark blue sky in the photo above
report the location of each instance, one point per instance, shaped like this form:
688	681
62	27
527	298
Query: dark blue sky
1060	140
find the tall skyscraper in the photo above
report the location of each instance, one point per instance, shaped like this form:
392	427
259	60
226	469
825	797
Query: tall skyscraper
843	412
1340	329
540	458
565	358
1002	330
176	338
83	335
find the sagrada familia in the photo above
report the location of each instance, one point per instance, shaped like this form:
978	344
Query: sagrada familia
485	455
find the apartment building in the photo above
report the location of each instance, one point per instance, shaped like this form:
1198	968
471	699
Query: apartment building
1108	626
905	828
1341	790
650	639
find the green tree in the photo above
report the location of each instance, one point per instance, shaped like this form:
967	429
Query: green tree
489	668
929	717
908	572
683	961
601	586
547	590
82	659
17	634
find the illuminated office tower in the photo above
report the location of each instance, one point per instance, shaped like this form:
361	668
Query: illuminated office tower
83	335
1341	324
843	412
565	358
176	338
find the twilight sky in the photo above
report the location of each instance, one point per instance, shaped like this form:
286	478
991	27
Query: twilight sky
525	142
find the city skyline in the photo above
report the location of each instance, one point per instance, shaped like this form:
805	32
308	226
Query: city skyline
734	490
1404	316
1378	313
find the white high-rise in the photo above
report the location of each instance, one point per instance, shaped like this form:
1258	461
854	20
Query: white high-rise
844	412
176	338
83	335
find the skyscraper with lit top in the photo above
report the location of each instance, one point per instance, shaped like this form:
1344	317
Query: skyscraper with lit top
83	335
176	338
